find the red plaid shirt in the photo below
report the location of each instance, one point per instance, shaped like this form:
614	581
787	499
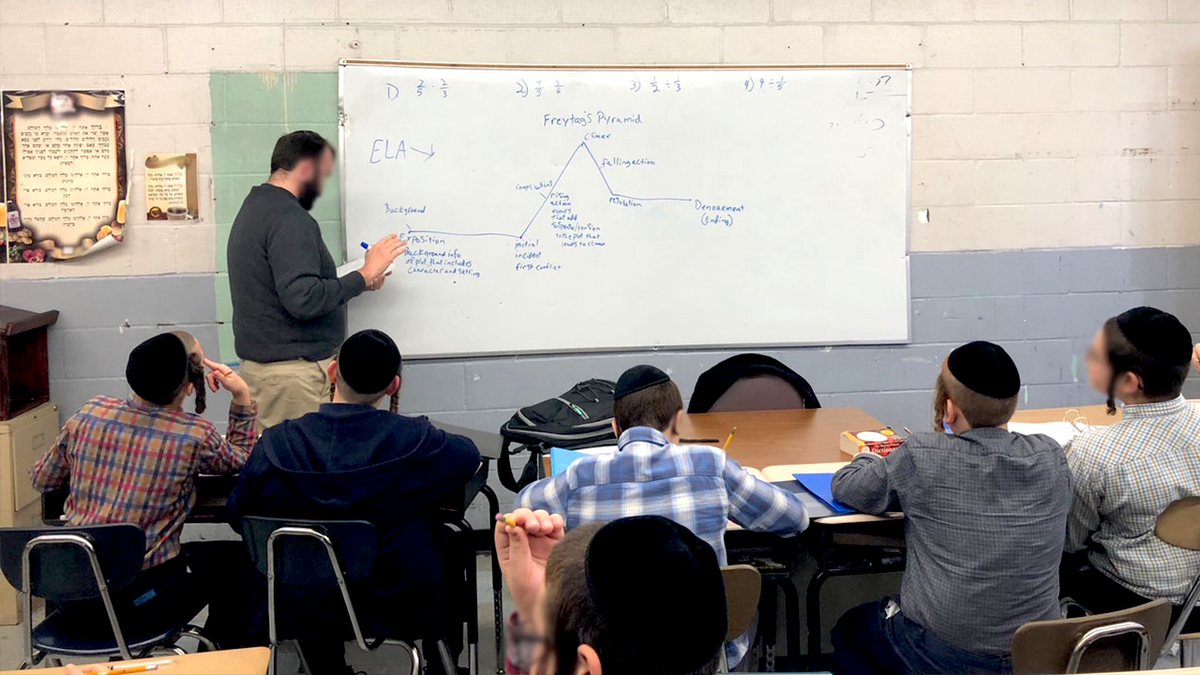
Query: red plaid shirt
133	462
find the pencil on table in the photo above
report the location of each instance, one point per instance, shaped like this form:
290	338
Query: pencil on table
727	440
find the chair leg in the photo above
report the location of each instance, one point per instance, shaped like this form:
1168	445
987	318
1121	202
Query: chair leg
204	643
1189	653
448	665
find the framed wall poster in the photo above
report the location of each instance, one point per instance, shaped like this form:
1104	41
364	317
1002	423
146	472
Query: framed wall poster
171	192
65	177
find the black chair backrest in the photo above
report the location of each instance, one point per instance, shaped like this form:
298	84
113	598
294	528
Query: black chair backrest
303	561
61	572
715	381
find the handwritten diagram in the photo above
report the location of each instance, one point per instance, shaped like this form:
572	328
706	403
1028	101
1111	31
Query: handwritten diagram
521	189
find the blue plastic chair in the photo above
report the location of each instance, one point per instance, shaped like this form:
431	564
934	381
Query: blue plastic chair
65	564
314	554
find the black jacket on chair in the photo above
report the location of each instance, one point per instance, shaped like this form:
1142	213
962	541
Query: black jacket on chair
354	462
715	381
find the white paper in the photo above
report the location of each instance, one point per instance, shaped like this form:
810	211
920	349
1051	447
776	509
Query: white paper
355	265
1063	432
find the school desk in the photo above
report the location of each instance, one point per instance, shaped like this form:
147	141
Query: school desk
1095	415
773	437
252	661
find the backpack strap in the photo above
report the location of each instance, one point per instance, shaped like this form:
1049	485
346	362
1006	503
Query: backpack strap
529	473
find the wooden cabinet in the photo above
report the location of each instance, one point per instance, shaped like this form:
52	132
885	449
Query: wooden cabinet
23	439
24	360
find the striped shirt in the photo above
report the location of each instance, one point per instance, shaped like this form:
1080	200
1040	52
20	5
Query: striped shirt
133	462
696	486
1125	475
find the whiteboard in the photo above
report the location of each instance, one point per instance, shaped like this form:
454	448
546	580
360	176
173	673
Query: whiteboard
569	209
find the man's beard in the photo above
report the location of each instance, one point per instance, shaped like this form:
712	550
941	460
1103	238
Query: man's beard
309	194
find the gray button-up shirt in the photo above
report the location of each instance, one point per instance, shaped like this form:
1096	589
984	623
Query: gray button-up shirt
985	518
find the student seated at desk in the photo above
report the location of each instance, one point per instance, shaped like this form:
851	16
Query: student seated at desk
1127	473
135	461
984	509
350	461
636	596
651	474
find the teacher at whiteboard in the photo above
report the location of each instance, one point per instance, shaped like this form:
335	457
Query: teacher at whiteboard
289	306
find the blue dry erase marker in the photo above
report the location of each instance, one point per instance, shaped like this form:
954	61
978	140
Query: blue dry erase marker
364	244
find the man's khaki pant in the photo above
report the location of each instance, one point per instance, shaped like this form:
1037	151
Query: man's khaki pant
286	390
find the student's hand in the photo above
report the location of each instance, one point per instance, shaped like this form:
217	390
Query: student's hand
378	257
1196	358
522	551
220	376
72	669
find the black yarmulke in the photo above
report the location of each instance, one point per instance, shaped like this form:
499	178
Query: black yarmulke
658	587
638	378
368	360
985	368
1157	334
157	368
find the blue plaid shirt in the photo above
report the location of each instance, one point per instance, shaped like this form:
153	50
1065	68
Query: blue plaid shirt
696	486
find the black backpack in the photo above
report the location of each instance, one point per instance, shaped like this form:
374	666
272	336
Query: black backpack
580	418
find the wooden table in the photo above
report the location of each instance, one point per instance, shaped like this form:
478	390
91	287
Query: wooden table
774	437
251	661
1096	415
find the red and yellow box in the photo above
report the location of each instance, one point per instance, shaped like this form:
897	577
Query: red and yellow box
879	441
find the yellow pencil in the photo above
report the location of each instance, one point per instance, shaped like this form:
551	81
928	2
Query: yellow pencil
510	520
138	667
727	440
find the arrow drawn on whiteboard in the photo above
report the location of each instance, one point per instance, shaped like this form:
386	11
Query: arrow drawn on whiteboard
427	154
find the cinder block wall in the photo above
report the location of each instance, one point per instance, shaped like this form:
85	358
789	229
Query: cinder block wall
1056	148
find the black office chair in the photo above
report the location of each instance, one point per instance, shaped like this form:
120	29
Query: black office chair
751	382
314	554
66	564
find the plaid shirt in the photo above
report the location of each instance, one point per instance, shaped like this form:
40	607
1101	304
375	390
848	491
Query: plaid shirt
133	462
1125	475
696	486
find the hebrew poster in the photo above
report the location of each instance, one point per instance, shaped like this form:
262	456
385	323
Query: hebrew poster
65	177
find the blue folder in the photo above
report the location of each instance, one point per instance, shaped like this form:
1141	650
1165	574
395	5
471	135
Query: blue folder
821	487
560	459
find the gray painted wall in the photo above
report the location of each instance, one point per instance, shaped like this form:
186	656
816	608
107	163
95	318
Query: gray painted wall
1042	305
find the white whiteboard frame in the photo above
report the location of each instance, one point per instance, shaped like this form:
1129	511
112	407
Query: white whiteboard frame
907	67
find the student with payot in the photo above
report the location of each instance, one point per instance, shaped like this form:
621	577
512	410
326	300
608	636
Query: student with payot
136	460
352	461
985	510
1127	473
635	596
697	486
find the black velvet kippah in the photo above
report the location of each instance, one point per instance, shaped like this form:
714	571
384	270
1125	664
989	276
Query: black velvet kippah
1157	334
638	378
985	368
157	368
368	361
659	590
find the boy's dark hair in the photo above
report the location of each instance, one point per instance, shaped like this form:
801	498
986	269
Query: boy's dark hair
652	407
572	614
292	148
1162	373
